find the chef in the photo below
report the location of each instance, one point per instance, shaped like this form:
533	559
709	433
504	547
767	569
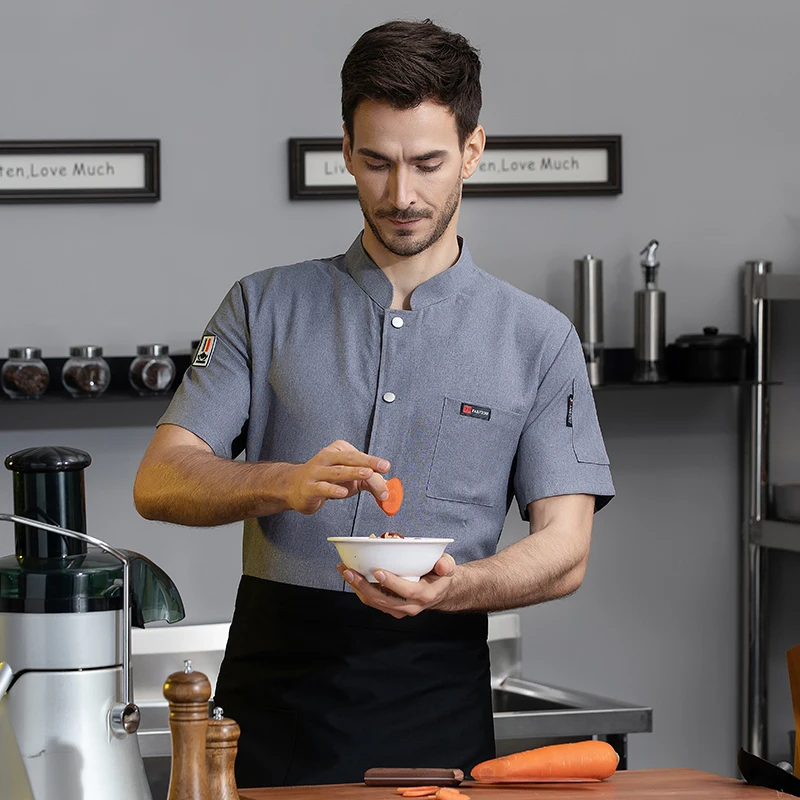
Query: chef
400	357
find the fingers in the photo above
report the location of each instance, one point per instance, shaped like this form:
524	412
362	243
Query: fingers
341	474
379	596
343	453
376	484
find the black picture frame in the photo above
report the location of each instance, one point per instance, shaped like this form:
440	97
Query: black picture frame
299	189
148	192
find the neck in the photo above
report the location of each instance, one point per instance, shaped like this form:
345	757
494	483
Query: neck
407	272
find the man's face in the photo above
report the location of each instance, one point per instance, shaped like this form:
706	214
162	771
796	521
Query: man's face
408	169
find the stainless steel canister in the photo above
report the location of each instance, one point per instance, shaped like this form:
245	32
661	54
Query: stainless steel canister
588	318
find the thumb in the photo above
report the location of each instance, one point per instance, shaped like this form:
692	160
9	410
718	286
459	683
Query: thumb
445	566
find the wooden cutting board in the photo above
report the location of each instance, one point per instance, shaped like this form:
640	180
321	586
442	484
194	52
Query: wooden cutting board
649	784
793	663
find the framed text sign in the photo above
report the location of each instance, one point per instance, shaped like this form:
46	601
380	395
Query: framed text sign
511	166
79	171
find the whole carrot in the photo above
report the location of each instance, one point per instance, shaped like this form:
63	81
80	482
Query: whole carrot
555	763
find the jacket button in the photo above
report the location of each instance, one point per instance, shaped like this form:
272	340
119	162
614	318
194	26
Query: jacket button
397	322
389	397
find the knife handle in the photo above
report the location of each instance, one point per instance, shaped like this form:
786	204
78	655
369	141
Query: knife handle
412	776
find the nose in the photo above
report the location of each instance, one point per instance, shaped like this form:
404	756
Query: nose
401	193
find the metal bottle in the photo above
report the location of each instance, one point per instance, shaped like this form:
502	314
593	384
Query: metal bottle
588	296
649	323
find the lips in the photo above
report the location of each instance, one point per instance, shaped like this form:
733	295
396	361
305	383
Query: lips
404	222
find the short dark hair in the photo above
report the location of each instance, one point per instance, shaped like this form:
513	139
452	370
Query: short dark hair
405	63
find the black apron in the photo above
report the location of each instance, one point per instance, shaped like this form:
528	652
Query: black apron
324	687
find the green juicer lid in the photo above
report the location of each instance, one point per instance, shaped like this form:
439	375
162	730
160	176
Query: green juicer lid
90	582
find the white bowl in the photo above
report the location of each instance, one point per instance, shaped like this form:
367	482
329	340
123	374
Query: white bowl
408	558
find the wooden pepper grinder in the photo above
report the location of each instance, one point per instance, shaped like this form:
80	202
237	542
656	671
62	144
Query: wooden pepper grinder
188	693
221	748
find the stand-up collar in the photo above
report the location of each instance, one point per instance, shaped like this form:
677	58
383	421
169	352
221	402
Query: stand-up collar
371	278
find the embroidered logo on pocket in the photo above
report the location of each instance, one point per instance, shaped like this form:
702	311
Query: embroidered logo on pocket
570	401
479	412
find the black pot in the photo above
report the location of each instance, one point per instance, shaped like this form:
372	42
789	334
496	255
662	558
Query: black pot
709	356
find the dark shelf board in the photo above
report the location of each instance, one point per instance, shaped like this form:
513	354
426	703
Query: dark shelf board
776	534
120	406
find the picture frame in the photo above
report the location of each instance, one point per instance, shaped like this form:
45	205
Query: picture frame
85	170
511	166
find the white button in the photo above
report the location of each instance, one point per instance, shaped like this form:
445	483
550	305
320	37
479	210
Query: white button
389	397
397	322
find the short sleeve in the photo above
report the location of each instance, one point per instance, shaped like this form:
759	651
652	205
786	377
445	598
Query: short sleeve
561	450
213	400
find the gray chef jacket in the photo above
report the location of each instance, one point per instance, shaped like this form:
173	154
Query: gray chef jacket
476	395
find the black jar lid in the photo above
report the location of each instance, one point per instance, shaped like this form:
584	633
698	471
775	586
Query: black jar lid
48	459
710	338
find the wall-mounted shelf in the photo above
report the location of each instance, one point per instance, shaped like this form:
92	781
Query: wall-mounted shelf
776	287
776	534
120	406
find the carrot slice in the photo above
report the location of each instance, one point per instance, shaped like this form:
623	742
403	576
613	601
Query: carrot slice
416	791
448	793
391	505
577	761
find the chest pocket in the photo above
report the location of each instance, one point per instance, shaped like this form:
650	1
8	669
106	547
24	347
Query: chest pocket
472	458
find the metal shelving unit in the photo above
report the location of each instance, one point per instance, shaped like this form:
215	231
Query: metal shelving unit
759	533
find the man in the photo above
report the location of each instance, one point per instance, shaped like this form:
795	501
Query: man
399	357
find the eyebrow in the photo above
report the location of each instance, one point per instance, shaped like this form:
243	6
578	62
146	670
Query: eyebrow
365	151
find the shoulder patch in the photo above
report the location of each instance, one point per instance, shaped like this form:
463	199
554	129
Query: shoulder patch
205	350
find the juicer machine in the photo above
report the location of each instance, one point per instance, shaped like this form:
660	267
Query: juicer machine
67	603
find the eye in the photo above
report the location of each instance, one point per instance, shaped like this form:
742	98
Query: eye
429	167
377	167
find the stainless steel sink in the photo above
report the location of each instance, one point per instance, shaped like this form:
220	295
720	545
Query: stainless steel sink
528	714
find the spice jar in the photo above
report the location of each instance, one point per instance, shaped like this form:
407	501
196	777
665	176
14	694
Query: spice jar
24	375
86	373
152	371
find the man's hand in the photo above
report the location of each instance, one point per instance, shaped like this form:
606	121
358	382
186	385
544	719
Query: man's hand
400	598
336	472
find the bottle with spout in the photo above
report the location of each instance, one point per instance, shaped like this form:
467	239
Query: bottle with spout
649	327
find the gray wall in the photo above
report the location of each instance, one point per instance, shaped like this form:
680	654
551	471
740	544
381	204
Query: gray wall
703	94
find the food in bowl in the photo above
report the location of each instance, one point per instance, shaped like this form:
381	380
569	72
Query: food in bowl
408	557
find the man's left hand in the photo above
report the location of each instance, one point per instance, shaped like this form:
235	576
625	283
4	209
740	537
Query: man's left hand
401	598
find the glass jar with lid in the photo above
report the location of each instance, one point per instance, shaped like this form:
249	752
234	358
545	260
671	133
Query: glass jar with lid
86	373
24	375
152	371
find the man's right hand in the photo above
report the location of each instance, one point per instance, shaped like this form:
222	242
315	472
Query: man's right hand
338	471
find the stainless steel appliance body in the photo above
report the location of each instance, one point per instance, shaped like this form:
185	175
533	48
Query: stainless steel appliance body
69	699
649	323
62	722
15	776
588	318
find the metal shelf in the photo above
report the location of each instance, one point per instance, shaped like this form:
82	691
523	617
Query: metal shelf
762	536
776	287
776	534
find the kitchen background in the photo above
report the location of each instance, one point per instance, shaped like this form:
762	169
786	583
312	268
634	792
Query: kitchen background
704	96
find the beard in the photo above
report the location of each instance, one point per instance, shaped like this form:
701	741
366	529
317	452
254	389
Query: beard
405	243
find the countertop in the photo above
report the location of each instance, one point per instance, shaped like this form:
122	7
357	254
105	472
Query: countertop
649	784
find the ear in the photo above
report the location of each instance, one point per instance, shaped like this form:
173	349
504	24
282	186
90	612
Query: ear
473	150
347	151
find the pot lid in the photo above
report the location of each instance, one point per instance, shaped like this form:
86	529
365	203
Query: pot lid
710	337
